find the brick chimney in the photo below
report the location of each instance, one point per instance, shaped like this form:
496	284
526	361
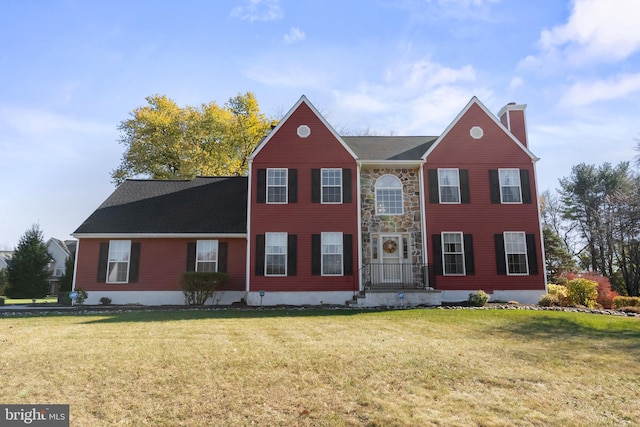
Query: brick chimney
513	117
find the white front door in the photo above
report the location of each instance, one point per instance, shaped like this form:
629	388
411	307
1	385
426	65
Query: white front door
391	251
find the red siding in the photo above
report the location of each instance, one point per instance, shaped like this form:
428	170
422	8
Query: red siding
162	261
286	149
481	218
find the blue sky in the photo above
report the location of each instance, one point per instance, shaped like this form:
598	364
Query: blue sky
71	70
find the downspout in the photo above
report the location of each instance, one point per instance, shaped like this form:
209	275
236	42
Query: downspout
248	263
75	265
423	217
360	249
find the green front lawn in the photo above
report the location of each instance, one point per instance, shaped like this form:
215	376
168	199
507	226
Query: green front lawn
328	367
47	300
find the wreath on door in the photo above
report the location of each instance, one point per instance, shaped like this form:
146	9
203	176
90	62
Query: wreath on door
390	246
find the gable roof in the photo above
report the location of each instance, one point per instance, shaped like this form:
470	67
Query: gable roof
60	244
303	99
475	101
202	205
389	147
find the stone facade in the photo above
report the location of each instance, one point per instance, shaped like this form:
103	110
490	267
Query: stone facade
408	224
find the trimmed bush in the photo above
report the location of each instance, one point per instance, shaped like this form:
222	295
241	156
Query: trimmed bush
622	302
582	292
198	287
105	301
479	298
560	294
549	300
82	296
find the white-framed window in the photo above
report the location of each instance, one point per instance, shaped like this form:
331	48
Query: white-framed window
453	253
510	189
515	248
59	271
118	261
275	254
388	195
207	255
449	185
331	187
277	185
332	264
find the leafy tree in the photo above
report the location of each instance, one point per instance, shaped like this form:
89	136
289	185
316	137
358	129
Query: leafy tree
165	141
557	257
28	269
4	281
590	197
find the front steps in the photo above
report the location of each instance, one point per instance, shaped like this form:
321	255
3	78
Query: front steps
396	298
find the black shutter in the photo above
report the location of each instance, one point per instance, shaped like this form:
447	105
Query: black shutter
469	260
293	185
292	255
437	254
434	195
103	258
494	184
347	254
260	255
134	265
315	185
191	256
316	260
526	186
223	251
465	196
261	196
346	186
531	254
501	262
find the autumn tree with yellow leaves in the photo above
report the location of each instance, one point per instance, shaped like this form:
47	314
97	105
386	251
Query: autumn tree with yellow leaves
164	141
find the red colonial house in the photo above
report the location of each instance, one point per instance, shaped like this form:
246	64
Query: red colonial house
330	219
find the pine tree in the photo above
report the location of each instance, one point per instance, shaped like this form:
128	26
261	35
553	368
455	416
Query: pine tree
28	269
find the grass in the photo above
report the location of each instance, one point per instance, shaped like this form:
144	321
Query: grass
22	301
328	367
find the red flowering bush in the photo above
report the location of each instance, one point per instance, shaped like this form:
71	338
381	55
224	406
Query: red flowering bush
605	294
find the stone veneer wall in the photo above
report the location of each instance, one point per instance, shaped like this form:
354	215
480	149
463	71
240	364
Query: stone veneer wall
407	223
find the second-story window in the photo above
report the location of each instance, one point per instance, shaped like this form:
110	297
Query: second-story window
331	186
449	184
388	195
510	185
276	186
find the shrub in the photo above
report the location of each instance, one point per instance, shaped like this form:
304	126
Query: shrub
560	293
82	296
1	301
621	302
198	287
549	300
582	292
605	294
479	298
105	301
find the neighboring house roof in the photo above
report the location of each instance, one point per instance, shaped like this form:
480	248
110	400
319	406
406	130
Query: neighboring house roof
389	147
4	256
201	205
62	245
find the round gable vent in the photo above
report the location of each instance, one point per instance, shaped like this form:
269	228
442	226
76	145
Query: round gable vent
304	131
476	132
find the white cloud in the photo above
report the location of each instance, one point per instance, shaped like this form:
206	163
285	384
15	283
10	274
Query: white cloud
516	82
259	10
597	31
584	93
42	122
294	35
419	97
